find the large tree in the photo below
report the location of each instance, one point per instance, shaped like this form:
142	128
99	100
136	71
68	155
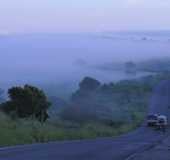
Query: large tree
27	101
89	83
87	86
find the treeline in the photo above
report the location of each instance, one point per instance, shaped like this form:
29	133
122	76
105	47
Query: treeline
113	102
93	101
125	101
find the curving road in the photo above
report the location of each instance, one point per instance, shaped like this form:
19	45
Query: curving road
122	148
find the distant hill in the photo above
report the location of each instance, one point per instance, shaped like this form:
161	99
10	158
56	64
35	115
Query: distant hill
155	65
152	65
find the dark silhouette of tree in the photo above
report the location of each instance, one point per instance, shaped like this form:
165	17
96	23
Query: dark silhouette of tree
89	84
27	101
86	87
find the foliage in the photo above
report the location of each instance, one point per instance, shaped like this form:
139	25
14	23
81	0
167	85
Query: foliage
25	102
27	131
89	83
87	86
108	102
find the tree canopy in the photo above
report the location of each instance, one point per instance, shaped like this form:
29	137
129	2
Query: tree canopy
89	83
27	101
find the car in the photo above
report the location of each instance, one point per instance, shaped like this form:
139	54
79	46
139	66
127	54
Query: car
162	122
152	120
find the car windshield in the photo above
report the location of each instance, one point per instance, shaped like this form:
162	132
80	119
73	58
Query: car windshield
152	117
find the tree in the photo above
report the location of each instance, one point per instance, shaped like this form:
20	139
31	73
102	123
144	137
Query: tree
27	101
86	87
89	84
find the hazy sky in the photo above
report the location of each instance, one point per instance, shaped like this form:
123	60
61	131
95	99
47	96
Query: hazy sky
83	15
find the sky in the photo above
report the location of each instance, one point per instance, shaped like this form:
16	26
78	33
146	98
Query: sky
27	16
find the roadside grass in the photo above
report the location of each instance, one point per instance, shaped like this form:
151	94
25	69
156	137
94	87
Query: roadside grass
15	132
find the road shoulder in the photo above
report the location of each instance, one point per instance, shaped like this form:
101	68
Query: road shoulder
157	152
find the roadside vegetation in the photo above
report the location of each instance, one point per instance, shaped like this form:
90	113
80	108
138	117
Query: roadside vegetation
31	131
94	110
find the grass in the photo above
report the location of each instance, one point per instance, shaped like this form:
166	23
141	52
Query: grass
14	132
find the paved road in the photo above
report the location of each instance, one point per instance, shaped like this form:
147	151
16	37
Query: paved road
158	152
122	148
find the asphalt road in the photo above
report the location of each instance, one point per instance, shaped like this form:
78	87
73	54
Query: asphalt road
122	148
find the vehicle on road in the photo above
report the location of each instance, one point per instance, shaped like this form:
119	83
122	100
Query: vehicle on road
160	122
152	120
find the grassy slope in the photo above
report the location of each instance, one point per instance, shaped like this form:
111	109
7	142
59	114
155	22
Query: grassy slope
27	131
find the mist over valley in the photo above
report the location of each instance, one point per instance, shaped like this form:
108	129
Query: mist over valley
62	60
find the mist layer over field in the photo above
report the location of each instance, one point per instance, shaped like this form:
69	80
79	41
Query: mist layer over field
65	58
